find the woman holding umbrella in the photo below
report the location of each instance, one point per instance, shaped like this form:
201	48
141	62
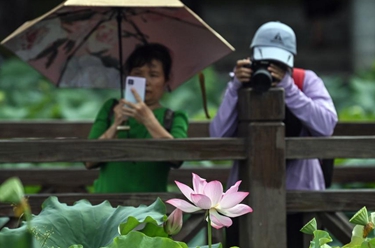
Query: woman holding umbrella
146	120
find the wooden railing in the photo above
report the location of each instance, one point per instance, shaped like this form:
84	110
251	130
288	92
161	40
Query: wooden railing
261	149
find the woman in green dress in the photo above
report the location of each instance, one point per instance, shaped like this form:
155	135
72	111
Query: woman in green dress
145	119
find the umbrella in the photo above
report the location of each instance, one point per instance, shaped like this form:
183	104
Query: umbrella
80	43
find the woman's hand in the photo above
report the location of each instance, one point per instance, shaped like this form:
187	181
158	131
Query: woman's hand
139	111
242	73
120	113
144	115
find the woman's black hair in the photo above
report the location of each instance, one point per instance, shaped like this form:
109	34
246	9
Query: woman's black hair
144	54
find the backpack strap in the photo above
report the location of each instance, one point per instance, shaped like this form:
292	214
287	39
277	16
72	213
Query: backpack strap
168	119
110	113
299	77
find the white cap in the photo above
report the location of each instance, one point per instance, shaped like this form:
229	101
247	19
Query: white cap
274	41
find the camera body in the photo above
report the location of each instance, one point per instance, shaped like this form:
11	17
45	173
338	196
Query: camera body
261	79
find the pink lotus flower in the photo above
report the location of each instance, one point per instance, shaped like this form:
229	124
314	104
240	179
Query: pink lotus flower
173	224
209	196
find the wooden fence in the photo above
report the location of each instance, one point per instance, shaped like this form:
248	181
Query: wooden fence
260	147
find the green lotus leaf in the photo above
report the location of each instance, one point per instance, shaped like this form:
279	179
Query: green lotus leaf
59	225
3	221
320	239
310	227
360	218
370	243
20	238
11	191
140	240
149	226
357	237
372	217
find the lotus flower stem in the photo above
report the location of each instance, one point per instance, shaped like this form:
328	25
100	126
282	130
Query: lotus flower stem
209	231
25	205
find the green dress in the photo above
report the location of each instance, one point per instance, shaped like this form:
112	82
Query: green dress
118	177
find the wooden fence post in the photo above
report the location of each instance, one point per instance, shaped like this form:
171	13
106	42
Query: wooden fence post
263	172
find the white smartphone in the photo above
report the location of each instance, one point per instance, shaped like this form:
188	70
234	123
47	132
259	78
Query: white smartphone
139	84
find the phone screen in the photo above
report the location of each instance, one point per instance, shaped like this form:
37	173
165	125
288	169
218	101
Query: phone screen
139	84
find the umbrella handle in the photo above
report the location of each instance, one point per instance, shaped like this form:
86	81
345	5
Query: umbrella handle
119	29
204	95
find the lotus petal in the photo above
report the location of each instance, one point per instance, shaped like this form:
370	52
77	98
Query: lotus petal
186	190
198	183
201	201
234	188
183	205
218	221
214	191
230	200
236	211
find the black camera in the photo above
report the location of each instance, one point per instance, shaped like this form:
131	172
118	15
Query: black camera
261	79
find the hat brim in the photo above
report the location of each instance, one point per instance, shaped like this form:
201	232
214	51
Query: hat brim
273	53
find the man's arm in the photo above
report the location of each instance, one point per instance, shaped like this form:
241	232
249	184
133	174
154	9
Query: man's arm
225	122
313	105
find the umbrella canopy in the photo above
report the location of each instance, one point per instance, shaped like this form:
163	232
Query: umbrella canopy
80	43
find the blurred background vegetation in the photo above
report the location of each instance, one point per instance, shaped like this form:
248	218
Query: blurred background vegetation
26	94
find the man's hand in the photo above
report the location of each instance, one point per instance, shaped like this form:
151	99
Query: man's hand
241	72
277	73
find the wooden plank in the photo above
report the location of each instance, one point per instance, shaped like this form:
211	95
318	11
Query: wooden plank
263	172
47	129
69	177
256	107
330	200
80	129
332	147
350	174
263	175
74	177
75	150
354	129
198	129
77	129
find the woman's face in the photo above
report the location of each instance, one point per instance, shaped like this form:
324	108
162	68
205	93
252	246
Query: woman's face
155	81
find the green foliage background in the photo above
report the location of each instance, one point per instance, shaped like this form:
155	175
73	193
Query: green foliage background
25	94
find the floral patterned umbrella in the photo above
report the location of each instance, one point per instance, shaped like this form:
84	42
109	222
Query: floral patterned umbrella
80	42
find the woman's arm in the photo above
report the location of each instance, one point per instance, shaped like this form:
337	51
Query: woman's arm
109	134
100	129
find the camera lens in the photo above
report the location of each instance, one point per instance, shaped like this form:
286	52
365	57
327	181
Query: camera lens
131	82
261	80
